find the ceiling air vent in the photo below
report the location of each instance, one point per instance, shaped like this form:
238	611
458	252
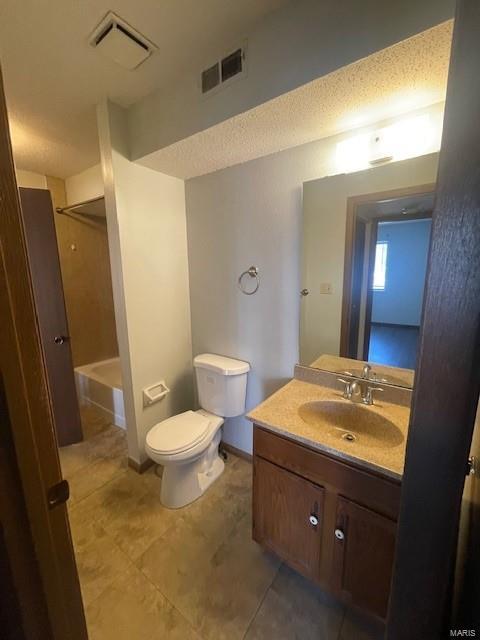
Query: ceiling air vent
210	77
117	40
229	67
232	65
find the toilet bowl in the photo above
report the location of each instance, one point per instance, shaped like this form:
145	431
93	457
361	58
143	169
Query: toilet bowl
186	445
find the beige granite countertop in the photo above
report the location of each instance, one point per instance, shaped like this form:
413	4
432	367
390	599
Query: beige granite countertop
279	413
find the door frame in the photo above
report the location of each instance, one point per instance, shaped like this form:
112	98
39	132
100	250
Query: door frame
369	301
23	371
447	380
371	265
353	203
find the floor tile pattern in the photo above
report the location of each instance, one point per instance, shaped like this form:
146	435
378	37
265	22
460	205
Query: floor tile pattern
148	572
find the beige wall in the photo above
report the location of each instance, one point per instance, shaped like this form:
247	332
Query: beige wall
87	282
85	185
251	214
30	180
148	246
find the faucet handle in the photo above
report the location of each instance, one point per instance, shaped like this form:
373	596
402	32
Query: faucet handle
366	369
368	397
346	391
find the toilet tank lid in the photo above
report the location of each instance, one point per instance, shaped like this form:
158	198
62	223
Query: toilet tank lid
221	364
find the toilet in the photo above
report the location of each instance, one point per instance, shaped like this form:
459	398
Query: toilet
186	445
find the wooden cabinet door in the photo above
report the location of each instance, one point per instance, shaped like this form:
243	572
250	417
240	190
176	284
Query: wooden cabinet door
288	516
363	556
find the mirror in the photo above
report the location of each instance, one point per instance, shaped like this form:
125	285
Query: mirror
366	237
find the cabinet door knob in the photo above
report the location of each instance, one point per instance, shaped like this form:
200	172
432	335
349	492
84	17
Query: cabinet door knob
313	519
339	534
60	339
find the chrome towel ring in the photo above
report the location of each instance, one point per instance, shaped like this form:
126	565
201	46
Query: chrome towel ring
253	273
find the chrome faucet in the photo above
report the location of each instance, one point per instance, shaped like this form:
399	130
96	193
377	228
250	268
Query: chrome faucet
367	395
366	371
359	388
351	389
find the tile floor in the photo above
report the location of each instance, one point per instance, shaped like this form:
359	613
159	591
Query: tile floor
147	572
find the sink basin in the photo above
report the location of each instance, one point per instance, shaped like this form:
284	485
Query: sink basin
352	423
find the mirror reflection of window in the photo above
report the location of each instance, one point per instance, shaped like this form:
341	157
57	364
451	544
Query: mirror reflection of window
368	237
380	268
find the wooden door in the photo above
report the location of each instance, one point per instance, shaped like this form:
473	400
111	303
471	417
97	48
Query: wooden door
363	557
447	380
23	613
46	277
33	456
288	516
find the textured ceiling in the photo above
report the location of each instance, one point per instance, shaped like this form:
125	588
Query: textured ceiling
409	75
53	78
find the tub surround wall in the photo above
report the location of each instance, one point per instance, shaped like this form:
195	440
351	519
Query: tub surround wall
87	280
148	249
86	276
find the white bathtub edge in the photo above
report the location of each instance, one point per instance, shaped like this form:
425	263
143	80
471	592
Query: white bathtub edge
114	418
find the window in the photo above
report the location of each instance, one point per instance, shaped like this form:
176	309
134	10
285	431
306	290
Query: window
380	269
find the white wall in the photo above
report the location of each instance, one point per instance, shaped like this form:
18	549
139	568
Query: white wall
401	301
85	185
301	41
251	214
30	180
148	252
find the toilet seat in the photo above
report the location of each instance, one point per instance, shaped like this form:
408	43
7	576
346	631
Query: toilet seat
178	433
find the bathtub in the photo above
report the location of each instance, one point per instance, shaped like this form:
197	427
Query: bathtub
100	384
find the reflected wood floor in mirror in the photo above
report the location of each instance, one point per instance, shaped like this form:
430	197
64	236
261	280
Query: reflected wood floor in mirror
394	345
195	573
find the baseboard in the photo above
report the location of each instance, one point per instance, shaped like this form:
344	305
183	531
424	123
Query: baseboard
391	325
140	467
236	452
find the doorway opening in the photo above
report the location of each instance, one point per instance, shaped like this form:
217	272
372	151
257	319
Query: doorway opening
386	253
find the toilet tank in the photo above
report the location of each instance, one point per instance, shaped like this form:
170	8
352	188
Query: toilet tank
221	384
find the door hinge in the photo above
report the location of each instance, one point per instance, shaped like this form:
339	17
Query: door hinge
471	466
58	494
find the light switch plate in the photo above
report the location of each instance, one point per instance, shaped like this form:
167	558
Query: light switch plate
326	287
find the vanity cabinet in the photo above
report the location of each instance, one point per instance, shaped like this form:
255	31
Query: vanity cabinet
363	556
291	525
331	521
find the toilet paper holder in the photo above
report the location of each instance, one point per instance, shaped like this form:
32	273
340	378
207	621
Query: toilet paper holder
154	393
